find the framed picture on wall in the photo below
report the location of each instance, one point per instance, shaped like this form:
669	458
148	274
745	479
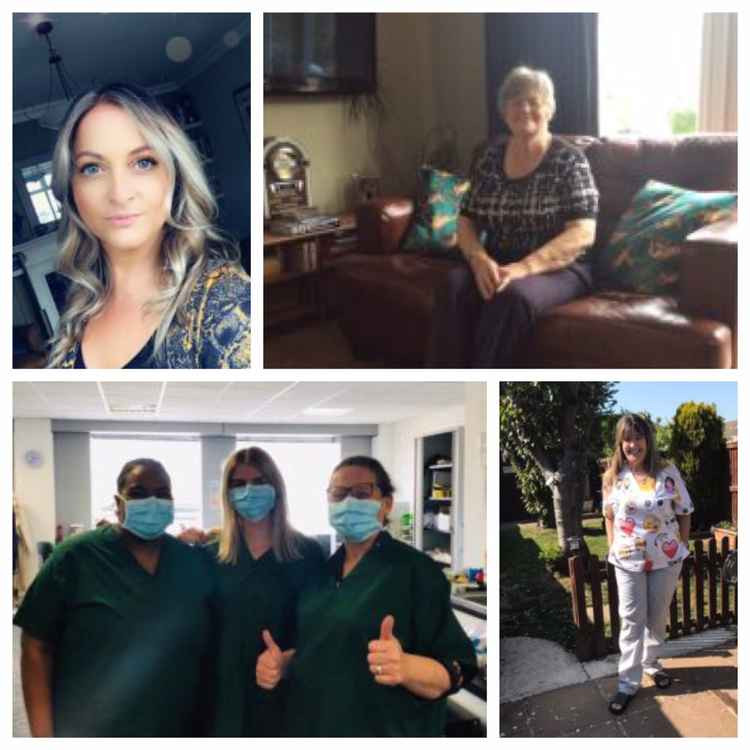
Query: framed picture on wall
242	101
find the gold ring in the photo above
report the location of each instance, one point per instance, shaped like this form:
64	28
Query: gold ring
378	669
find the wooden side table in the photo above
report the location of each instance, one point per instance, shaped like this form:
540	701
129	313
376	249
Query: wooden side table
293	266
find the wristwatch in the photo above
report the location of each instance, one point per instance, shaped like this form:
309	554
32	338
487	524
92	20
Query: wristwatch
456	675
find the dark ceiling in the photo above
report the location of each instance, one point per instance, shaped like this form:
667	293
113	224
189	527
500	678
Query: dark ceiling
102	47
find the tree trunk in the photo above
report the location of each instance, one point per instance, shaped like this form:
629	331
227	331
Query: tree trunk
568	485
567	505
565	480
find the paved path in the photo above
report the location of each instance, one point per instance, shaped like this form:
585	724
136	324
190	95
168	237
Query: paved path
702	702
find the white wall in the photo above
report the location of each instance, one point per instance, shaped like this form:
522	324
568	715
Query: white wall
34	488
395	447
475	477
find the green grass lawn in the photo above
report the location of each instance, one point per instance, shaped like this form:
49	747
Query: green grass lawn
535	599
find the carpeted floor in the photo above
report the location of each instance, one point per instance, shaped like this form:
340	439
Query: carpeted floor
313	345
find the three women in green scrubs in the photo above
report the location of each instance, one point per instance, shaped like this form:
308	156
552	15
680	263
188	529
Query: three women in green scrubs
262	565
118	623
378	646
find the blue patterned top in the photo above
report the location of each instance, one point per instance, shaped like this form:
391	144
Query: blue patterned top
216	333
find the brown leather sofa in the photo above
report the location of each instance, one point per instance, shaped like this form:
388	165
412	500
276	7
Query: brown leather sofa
384	298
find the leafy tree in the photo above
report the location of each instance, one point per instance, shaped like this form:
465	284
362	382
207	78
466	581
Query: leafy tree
683	121
663	437
700	453
546	430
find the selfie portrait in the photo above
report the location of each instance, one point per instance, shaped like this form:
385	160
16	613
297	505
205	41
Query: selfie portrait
131	190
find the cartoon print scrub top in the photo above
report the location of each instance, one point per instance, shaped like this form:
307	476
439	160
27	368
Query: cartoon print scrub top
646	530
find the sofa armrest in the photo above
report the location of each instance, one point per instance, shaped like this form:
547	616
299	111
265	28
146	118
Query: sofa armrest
382	223
708	274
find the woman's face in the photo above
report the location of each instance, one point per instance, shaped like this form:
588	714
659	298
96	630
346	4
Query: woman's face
121	188
358	482
527	114
143	482
634	449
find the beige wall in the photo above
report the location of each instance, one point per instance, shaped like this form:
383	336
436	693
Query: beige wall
34	486
459	59
430	73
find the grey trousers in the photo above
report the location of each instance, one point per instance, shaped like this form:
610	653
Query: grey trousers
644	609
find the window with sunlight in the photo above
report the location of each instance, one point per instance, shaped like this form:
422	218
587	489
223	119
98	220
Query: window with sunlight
180	456
649	72
38	182
306	467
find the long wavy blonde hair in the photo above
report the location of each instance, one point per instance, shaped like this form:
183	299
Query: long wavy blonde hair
190	238
285	540
627	426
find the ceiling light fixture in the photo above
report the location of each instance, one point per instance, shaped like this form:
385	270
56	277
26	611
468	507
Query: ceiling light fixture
55	113
179	49
319	411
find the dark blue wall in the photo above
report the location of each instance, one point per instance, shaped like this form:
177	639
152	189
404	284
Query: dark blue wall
212	92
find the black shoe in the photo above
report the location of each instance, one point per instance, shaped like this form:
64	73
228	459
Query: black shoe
619	702
661	679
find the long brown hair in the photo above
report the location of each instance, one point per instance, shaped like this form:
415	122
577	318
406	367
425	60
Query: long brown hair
627	425
285	540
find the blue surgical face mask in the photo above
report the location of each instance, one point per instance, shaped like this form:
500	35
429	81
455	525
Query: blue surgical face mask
149	517
355	520
253	501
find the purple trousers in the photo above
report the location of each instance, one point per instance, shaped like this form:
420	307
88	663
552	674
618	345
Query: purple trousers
469	332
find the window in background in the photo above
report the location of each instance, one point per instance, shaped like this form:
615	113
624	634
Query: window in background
181	457
306	467
37	180
649	72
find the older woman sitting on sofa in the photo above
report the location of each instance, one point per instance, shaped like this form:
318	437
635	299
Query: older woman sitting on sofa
524	228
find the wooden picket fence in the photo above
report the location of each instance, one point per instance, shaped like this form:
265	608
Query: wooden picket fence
699	568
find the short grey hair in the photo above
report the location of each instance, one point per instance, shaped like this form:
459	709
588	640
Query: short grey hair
522	80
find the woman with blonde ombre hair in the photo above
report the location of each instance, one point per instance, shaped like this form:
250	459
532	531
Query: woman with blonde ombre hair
263	565
647	512
153	281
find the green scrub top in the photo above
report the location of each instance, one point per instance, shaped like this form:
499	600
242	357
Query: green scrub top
131	649
332	692
256	595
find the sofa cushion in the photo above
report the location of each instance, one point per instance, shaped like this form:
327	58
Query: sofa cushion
643	252
435	224
624	330
384	303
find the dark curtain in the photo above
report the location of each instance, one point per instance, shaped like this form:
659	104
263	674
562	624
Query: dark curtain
563	44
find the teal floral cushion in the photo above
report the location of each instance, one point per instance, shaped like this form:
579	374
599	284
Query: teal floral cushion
435	225
643	254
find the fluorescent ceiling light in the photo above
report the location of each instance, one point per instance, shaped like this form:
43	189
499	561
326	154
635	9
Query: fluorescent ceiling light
315	411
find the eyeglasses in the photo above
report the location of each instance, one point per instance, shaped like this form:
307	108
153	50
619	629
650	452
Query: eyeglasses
362	491
139	493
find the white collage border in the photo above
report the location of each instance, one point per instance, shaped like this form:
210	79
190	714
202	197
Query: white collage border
490	377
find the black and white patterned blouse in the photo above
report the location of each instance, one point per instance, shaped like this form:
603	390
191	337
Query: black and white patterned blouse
514	217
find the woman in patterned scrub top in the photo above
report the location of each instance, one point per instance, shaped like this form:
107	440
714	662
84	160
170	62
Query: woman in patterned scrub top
647	510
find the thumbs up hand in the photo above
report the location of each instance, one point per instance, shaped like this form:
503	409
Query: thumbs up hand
385	655
269	669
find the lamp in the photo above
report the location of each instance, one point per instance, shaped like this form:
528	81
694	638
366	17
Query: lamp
55	112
